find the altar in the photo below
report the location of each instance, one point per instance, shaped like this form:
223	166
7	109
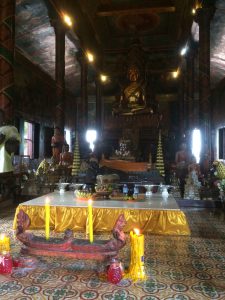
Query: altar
155	214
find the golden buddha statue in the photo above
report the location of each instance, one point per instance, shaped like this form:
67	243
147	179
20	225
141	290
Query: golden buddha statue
132	100
134	93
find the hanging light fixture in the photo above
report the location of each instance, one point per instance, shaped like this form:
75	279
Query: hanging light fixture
90	57
103	77
67	20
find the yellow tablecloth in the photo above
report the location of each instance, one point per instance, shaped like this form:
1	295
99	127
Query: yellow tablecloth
168	222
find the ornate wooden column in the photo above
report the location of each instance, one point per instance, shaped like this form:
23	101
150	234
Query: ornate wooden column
151	93
7	43
181	104
60	73
204	16
196	90
84	94
98	106
183	100
190	89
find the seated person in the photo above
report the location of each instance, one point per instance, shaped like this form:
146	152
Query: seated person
66	157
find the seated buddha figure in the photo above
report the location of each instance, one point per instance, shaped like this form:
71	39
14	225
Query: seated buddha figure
132	100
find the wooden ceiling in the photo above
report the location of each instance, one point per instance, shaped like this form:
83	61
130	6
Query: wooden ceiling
109	28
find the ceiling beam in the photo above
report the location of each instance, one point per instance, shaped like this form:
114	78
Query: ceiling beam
156	7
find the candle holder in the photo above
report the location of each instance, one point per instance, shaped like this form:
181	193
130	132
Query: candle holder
6	263
114	272
148	188
62	186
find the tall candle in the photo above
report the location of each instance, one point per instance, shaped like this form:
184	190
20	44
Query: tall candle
140	253
136	269
90	221
47	218
4	243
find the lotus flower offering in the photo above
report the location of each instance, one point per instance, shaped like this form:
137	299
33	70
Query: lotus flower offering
83	195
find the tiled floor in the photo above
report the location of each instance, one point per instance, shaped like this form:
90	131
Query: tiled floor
178	268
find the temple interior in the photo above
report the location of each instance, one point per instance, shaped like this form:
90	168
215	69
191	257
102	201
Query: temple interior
112	120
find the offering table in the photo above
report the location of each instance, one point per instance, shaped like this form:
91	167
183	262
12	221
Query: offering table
154	214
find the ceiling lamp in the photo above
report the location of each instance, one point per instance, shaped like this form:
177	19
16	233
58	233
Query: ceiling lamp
175	74
103	78
67	20
90	57
183	51
198	5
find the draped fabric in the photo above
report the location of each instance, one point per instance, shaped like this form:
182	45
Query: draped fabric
168	222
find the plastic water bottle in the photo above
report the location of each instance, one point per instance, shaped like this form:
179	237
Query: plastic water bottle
136	191
125	189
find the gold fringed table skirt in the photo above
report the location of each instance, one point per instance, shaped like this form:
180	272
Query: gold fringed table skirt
168	222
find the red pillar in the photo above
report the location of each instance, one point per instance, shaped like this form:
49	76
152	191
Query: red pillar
7	43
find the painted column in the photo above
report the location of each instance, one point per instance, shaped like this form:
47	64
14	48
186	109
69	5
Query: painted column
151	93
60	73
84	93
184	79
181	103
196	89
190	89
98	106
7	44
204	16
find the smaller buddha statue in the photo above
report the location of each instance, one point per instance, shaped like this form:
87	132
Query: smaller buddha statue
66	157
57	143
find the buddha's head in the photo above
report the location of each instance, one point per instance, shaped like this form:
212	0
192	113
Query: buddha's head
133	73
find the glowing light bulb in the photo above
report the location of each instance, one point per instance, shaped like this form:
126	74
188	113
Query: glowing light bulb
67	20
175	74
183	51
90	57
103	78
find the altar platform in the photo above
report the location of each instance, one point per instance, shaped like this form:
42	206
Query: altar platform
155	214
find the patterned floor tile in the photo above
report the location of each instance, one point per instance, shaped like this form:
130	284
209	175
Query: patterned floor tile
177	267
